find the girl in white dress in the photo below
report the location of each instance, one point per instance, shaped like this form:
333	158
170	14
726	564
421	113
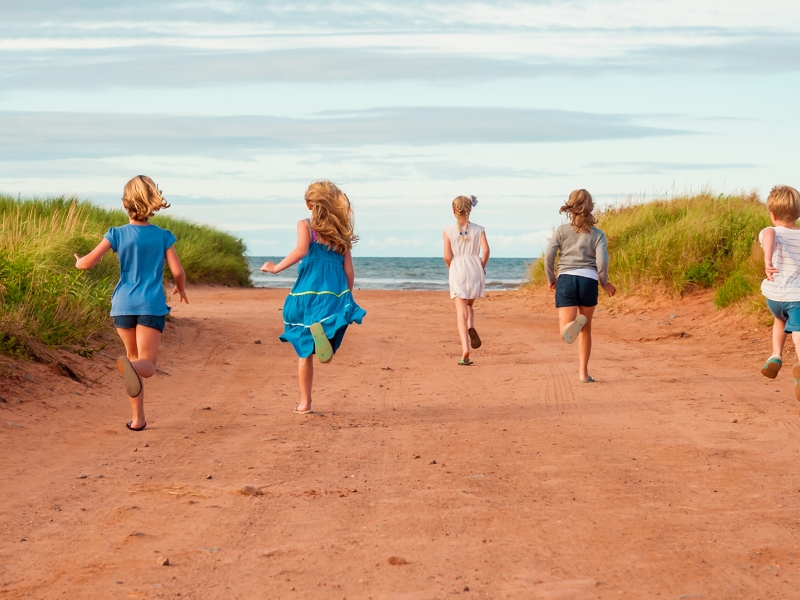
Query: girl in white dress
466	253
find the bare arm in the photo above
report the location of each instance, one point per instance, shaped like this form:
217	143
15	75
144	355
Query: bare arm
178	274
484	250
348	270
768	244
448	250
91	259
296	255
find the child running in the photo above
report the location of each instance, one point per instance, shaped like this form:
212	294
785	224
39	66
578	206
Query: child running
320	306
781	287
138	305
582	263
466	252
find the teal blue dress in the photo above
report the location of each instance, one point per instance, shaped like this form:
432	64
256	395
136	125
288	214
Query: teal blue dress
320	295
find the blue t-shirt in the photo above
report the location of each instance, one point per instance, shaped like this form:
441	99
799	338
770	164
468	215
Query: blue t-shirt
141	250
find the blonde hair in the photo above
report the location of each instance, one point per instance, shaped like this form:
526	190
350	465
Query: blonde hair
579	209
142	198
462	205
784	202
331	215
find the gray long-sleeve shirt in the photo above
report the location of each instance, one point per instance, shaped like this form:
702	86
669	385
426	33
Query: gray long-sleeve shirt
577	251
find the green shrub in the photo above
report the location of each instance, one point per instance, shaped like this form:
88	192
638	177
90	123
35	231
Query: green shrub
44	300
684	242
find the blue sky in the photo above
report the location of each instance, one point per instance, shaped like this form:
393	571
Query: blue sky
233	107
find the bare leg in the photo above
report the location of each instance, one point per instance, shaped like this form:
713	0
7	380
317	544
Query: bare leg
585	342
471	314
566	315
141	347
779	338
796	340
305	375
461	317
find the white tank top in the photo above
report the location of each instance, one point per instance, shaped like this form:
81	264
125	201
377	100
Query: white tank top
785	258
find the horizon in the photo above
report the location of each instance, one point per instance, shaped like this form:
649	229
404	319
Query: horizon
234	108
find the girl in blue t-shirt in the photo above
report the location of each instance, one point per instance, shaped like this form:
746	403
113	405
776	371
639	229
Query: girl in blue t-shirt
138	305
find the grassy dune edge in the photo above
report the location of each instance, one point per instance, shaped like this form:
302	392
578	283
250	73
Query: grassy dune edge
45	301
683	243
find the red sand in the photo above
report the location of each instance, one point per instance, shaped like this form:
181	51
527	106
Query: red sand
676	475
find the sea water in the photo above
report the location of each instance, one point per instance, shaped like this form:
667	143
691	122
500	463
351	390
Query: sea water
402	273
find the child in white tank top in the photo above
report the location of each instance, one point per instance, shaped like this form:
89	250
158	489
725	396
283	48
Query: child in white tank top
781	287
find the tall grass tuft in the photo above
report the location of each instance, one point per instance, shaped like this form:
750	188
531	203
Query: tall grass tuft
685	242
45	301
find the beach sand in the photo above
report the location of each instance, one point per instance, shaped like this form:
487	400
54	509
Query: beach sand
676	475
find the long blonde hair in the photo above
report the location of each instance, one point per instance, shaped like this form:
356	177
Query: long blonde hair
331	215
142	198
462	205
579	209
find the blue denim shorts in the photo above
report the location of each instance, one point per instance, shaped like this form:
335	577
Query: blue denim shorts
786	311
131	321
574	290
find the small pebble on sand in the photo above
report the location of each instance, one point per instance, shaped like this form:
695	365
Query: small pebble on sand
257	342
163	561
251	490
396	560
209	477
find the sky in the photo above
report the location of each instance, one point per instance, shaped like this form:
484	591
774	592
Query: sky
234	107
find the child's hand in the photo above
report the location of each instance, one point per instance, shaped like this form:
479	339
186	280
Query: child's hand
552	286
268	267
770	272
182	293
77	260
610	289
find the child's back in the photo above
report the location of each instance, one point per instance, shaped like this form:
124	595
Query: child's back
579	253
141	250
785	286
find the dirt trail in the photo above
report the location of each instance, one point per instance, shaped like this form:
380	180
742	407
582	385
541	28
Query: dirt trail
677	475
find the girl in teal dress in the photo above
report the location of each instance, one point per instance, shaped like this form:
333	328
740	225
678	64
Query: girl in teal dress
320	306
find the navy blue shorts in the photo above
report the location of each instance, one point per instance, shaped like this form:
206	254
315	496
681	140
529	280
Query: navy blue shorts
131	321
574	290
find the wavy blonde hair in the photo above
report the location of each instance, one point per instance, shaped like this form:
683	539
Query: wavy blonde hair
142	198
331	215
579	209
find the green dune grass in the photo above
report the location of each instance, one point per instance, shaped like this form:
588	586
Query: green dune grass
45	301
683	243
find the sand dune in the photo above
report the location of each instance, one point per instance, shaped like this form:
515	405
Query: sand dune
677	474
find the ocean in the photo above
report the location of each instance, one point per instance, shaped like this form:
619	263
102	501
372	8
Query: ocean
402	273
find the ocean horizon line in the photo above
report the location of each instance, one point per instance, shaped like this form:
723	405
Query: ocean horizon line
401	257
412	273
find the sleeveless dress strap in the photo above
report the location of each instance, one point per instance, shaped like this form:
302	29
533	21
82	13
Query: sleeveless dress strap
311	229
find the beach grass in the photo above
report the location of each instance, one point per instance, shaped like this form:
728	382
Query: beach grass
46	302
684	242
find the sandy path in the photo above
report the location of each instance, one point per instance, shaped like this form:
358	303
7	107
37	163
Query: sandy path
677	475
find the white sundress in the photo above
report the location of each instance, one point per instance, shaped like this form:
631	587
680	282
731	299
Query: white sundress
467	279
